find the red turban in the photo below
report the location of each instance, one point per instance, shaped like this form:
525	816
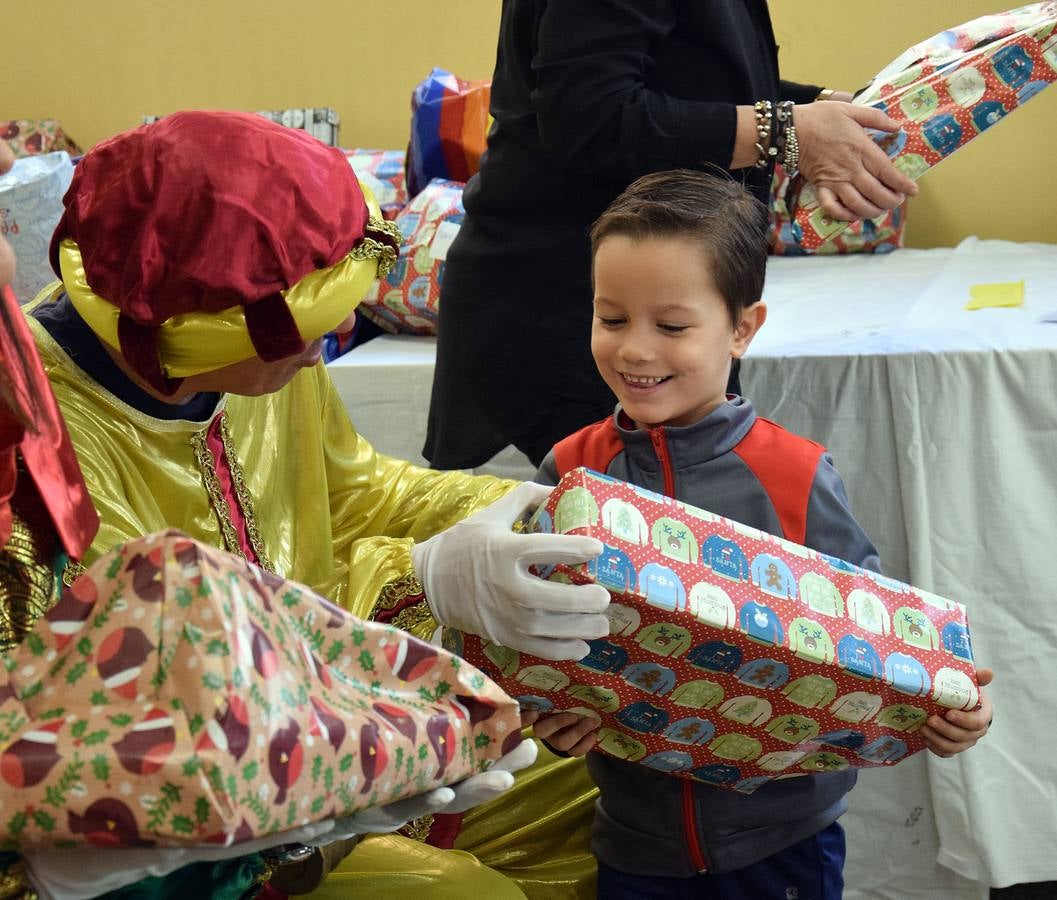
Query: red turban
203	211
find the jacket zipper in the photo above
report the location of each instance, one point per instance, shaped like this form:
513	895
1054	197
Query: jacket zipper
660	447
693	840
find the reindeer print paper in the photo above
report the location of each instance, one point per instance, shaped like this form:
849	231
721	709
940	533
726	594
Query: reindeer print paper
749	659
177	695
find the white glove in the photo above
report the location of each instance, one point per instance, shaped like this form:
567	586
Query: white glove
478	789
390	816
475	576
456	798
89	871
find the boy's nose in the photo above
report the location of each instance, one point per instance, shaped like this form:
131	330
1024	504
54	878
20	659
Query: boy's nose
636	350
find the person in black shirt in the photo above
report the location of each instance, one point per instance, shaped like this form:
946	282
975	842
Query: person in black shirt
588	95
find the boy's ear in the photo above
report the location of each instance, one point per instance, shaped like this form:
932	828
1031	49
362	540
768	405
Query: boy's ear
752	319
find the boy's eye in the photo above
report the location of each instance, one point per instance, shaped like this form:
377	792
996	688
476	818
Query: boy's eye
610	321
672	329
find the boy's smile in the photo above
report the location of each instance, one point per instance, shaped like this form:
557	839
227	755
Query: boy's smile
662	337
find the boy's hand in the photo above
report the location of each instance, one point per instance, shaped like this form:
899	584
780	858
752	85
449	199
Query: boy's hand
568	732
958	730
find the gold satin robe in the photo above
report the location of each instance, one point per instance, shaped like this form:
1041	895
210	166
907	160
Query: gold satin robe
323	508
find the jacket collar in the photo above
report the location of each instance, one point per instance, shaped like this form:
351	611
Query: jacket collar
714	435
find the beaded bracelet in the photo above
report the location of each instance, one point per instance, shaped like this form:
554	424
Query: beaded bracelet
791	153
785	144
765	149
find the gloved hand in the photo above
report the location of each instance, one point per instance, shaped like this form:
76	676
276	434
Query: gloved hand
475	576
459	797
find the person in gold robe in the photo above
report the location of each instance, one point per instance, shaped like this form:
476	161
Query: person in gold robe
46	521
202	258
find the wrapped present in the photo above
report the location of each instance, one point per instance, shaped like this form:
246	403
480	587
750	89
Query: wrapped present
322	122
30	208
406	299
945	91
28	137
735	657
338	343
177	695
449	122
383	172
880	235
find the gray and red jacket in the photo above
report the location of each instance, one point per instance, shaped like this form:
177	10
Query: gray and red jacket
738	465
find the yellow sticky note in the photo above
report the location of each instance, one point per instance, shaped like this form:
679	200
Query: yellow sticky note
1004	293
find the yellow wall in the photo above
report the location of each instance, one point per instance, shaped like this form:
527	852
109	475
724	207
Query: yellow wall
99	65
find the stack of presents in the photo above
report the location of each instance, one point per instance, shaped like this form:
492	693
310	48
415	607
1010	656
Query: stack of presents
943	92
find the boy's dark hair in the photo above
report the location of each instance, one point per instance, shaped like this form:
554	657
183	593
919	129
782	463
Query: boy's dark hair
730	225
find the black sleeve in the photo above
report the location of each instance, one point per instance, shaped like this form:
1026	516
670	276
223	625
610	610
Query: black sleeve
594	112
798	93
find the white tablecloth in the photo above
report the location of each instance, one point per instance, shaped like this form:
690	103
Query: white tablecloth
944	425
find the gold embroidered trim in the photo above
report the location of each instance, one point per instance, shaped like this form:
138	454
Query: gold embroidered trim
29	585
384	248
408	619
72	571
244	498
396	592
14	884
207	466
418	829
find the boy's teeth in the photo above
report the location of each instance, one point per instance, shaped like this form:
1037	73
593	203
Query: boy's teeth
643	379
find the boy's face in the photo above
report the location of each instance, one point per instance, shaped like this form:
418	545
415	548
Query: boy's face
661	336
7	255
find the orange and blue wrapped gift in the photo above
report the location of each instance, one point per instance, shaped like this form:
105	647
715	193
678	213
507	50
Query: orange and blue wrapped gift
449	124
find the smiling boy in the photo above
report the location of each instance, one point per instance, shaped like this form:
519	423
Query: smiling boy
679	265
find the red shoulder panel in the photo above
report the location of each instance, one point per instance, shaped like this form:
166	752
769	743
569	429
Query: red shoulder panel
595	446
785	464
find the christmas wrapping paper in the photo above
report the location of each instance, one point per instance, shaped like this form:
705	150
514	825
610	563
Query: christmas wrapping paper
880	235
28	137
945	91
735	657
177	695
322	122
449	123
406	299
383	172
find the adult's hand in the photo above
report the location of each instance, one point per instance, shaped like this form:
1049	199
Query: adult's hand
854	177
475	576
88	872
